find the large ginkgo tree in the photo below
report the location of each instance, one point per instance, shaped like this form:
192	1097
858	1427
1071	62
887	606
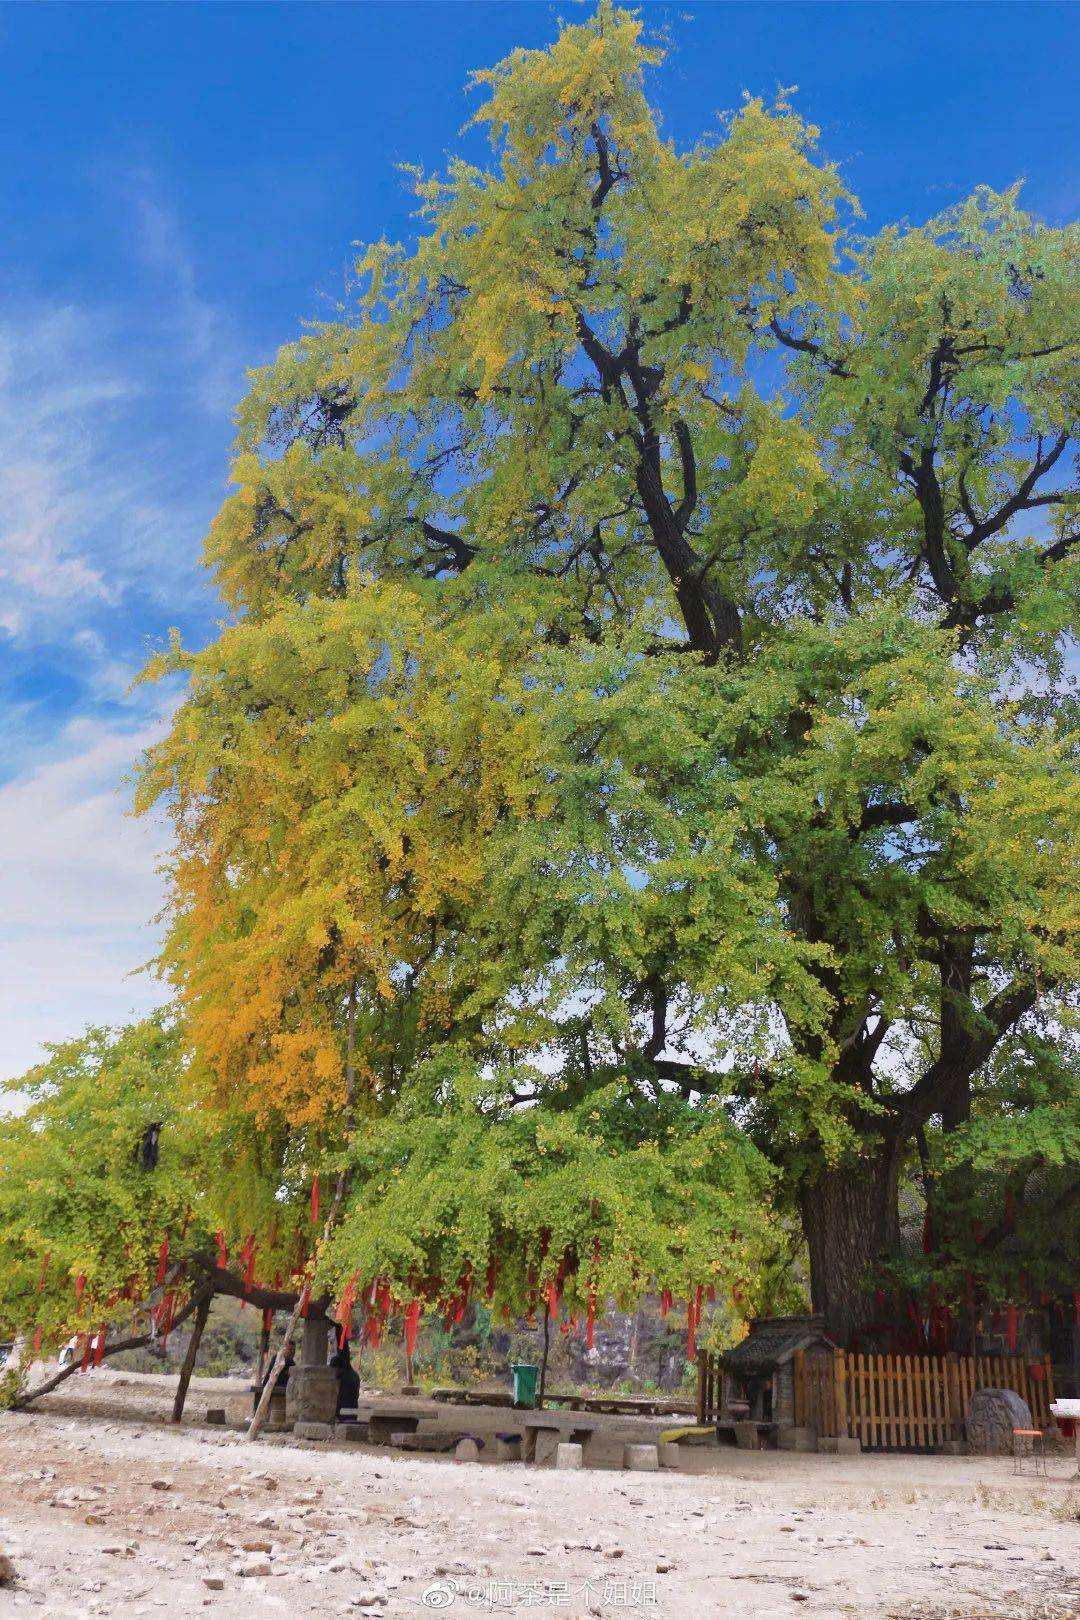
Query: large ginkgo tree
640	774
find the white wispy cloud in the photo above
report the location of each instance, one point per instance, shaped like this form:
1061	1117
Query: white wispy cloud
200	329
79	888
53	387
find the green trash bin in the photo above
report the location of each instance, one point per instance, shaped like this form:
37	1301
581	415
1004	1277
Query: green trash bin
525	1376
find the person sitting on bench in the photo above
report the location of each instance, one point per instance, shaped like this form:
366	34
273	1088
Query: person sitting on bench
348	1381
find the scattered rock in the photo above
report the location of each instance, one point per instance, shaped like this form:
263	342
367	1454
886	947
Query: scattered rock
256	1566
7	1571
992	1415
214	1582
255	1544
467	1450
161	1484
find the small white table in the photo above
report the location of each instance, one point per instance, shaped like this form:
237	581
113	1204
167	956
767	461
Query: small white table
1069	1409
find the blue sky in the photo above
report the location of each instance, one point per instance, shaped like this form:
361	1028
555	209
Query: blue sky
180	186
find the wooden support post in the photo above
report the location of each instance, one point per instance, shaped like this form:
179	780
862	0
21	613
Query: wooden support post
201	1313
264	1351
544	1359
840	1391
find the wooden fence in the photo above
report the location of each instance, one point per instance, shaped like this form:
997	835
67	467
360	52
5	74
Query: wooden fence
710	1387
898	1403
892	1403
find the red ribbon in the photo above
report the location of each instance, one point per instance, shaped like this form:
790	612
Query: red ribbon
305	1300
412	1320
553	1301
315	1202
344	1313
86	1353
80	1288
99	1347
665	1301
162	1261
590	1320
247	1255
222	1250
44	1269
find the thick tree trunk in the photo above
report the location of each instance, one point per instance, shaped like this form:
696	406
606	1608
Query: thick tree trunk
850	1221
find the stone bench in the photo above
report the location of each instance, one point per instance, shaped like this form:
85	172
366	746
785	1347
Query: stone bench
545	1430
385	1421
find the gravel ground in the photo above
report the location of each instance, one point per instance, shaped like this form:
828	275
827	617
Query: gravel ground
107	1511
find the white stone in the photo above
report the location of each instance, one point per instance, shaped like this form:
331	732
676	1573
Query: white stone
642	1459
569	1455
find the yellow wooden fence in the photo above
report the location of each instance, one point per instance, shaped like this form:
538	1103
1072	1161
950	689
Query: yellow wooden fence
897	1403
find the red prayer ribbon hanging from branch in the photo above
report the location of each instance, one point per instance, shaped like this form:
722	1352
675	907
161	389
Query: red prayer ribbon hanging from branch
80	1287
162	1261
691	1330
99	1346
553	1301
44	1268
315	1202
665	1301
247	1256
412	1320
222	1250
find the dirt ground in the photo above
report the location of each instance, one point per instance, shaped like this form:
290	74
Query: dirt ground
106	1511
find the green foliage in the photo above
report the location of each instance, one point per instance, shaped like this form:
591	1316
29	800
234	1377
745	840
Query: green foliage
602	1198
78	1200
